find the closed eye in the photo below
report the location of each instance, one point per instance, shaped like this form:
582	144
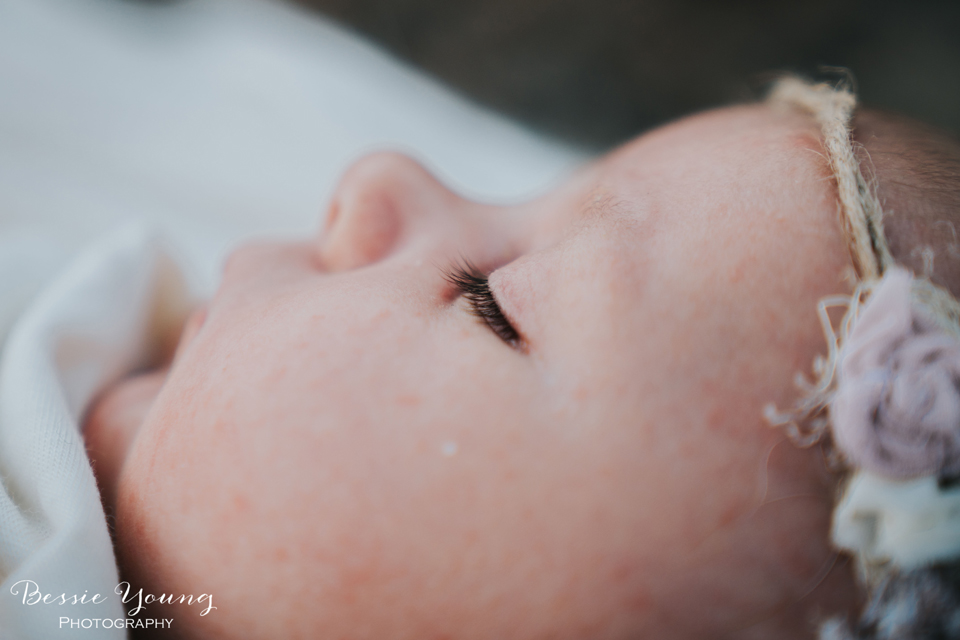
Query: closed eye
474	286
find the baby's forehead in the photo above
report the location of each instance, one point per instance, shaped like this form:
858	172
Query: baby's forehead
729	160
714	203
713	170
716	152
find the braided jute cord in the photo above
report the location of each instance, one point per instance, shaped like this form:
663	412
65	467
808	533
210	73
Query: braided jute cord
861	217
861	214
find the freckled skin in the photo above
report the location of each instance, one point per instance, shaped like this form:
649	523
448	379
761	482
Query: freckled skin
614	480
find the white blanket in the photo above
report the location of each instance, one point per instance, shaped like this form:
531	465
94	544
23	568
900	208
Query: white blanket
212	121
102	317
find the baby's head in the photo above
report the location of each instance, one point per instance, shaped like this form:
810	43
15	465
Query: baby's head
361	436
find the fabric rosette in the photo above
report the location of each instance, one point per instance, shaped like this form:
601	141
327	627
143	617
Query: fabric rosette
896	408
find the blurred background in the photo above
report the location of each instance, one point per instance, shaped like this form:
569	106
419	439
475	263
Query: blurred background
216	121
598	71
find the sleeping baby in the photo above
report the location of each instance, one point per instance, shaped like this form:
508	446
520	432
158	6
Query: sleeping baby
446	419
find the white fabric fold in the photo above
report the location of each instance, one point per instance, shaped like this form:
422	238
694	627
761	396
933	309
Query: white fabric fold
104	316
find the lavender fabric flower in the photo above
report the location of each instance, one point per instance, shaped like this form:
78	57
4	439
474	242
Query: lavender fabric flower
896	410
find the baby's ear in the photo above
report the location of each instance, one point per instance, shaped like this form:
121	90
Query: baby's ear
916	171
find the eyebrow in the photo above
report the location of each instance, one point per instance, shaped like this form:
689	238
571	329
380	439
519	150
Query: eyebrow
599	207
604	209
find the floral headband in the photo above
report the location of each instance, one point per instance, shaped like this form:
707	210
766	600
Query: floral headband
888	397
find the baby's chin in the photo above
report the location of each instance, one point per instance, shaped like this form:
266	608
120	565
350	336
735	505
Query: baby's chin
112	423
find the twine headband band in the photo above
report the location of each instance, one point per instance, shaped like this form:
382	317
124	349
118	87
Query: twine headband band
888	396
862	216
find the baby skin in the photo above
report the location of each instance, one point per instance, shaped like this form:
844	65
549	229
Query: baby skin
342	448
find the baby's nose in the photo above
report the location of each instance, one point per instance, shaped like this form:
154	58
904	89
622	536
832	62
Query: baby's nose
376	207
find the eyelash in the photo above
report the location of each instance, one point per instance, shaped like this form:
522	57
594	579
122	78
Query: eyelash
474	286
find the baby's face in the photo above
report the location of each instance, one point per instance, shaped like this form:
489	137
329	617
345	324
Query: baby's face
342	449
